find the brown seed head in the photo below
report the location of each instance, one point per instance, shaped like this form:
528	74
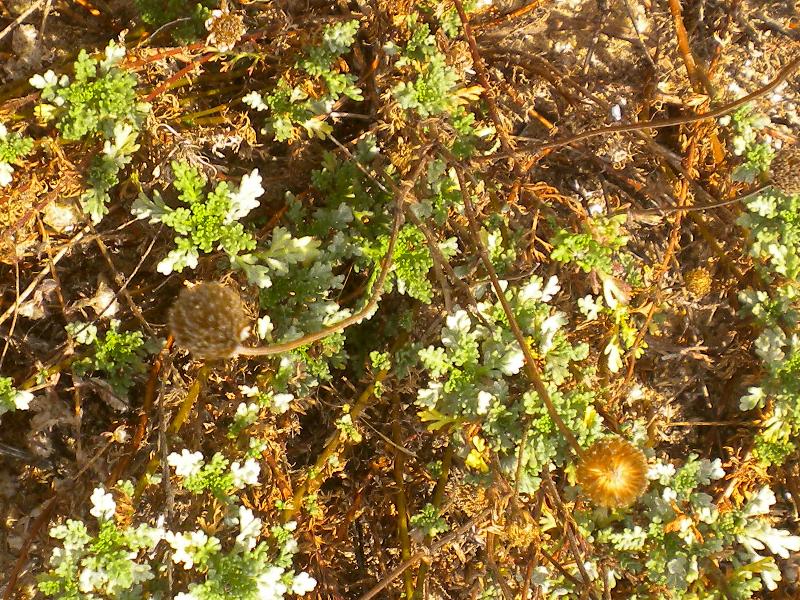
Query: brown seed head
785	169
613	472
208	320
698	282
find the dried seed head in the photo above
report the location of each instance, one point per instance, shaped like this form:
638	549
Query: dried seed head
698	282
785	169
613	472
208	320
225	29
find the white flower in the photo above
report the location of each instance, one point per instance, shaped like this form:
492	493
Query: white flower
760	503
5	173
3	132
303	583
669	495
661	472
770	573
22	399
614	354
589	307
249	528
246	414
186	463
484	402
103	505
249	391
177	260
549	328
760	534
41	82
215	14
710	469
755	397
246	411
114	54
186	546
281	403
244	199
254	100
247	474
512	361
264	327
91	580
591	570
269	584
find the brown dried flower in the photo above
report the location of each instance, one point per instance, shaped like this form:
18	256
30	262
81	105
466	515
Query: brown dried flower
208	320
613	472
698	282
225	29
785	169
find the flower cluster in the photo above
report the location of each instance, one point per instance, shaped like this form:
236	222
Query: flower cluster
123	560
208	222
474	376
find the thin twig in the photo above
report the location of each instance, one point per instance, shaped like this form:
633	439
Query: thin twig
33	7
697	76
531	368
436	501
421	554
402	508
177	422
784	74
41	275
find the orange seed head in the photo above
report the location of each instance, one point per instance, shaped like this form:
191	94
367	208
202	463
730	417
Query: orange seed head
613	472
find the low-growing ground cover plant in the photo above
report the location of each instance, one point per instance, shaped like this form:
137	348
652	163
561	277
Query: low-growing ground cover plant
401	300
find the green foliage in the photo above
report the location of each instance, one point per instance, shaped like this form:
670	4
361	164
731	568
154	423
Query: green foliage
380	360
411	261
100	101
297	106
11	398
447	14
117	355
773	222
746	124
474	375
773	219
192	16
101	96
431	92
594	249
110	562
600	250
343	228
429	521
13	147
210	222
104	170
348	429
